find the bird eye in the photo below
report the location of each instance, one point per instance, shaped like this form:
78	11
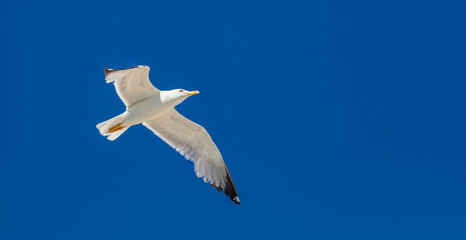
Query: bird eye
181	90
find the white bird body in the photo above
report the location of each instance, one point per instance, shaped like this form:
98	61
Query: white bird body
150	108
155	109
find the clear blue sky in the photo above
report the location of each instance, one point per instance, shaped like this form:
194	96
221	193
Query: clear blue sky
337	119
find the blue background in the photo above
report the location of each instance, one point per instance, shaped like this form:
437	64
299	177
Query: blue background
337	119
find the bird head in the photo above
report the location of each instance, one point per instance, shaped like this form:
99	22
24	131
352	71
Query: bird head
177	96
184	93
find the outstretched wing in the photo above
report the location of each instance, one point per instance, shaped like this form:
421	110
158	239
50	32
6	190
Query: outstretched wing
132	84
194	143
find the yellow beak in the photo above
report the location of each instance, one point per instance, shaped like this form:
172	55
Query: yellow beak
192	93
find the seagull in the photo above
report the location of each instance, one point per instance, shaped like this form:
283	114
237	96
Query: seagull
155	110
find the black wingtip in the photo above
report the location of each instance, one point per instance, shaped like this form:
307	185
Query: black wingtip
109	70
229	189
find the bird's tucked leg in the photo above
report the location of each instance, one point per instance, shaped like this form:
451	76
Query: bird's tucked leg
116	128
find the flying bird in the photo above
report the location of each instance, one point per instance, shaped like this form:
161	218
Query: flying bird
155	109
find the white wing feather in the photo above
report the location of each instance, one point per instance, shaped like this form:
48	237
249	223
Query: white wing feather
131	84
194	143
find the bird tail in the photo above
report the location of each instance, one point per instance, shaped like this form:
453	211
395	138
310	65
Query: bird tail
113	127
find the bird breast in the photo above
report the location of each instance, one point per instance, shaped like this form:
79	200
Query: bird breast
147	109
